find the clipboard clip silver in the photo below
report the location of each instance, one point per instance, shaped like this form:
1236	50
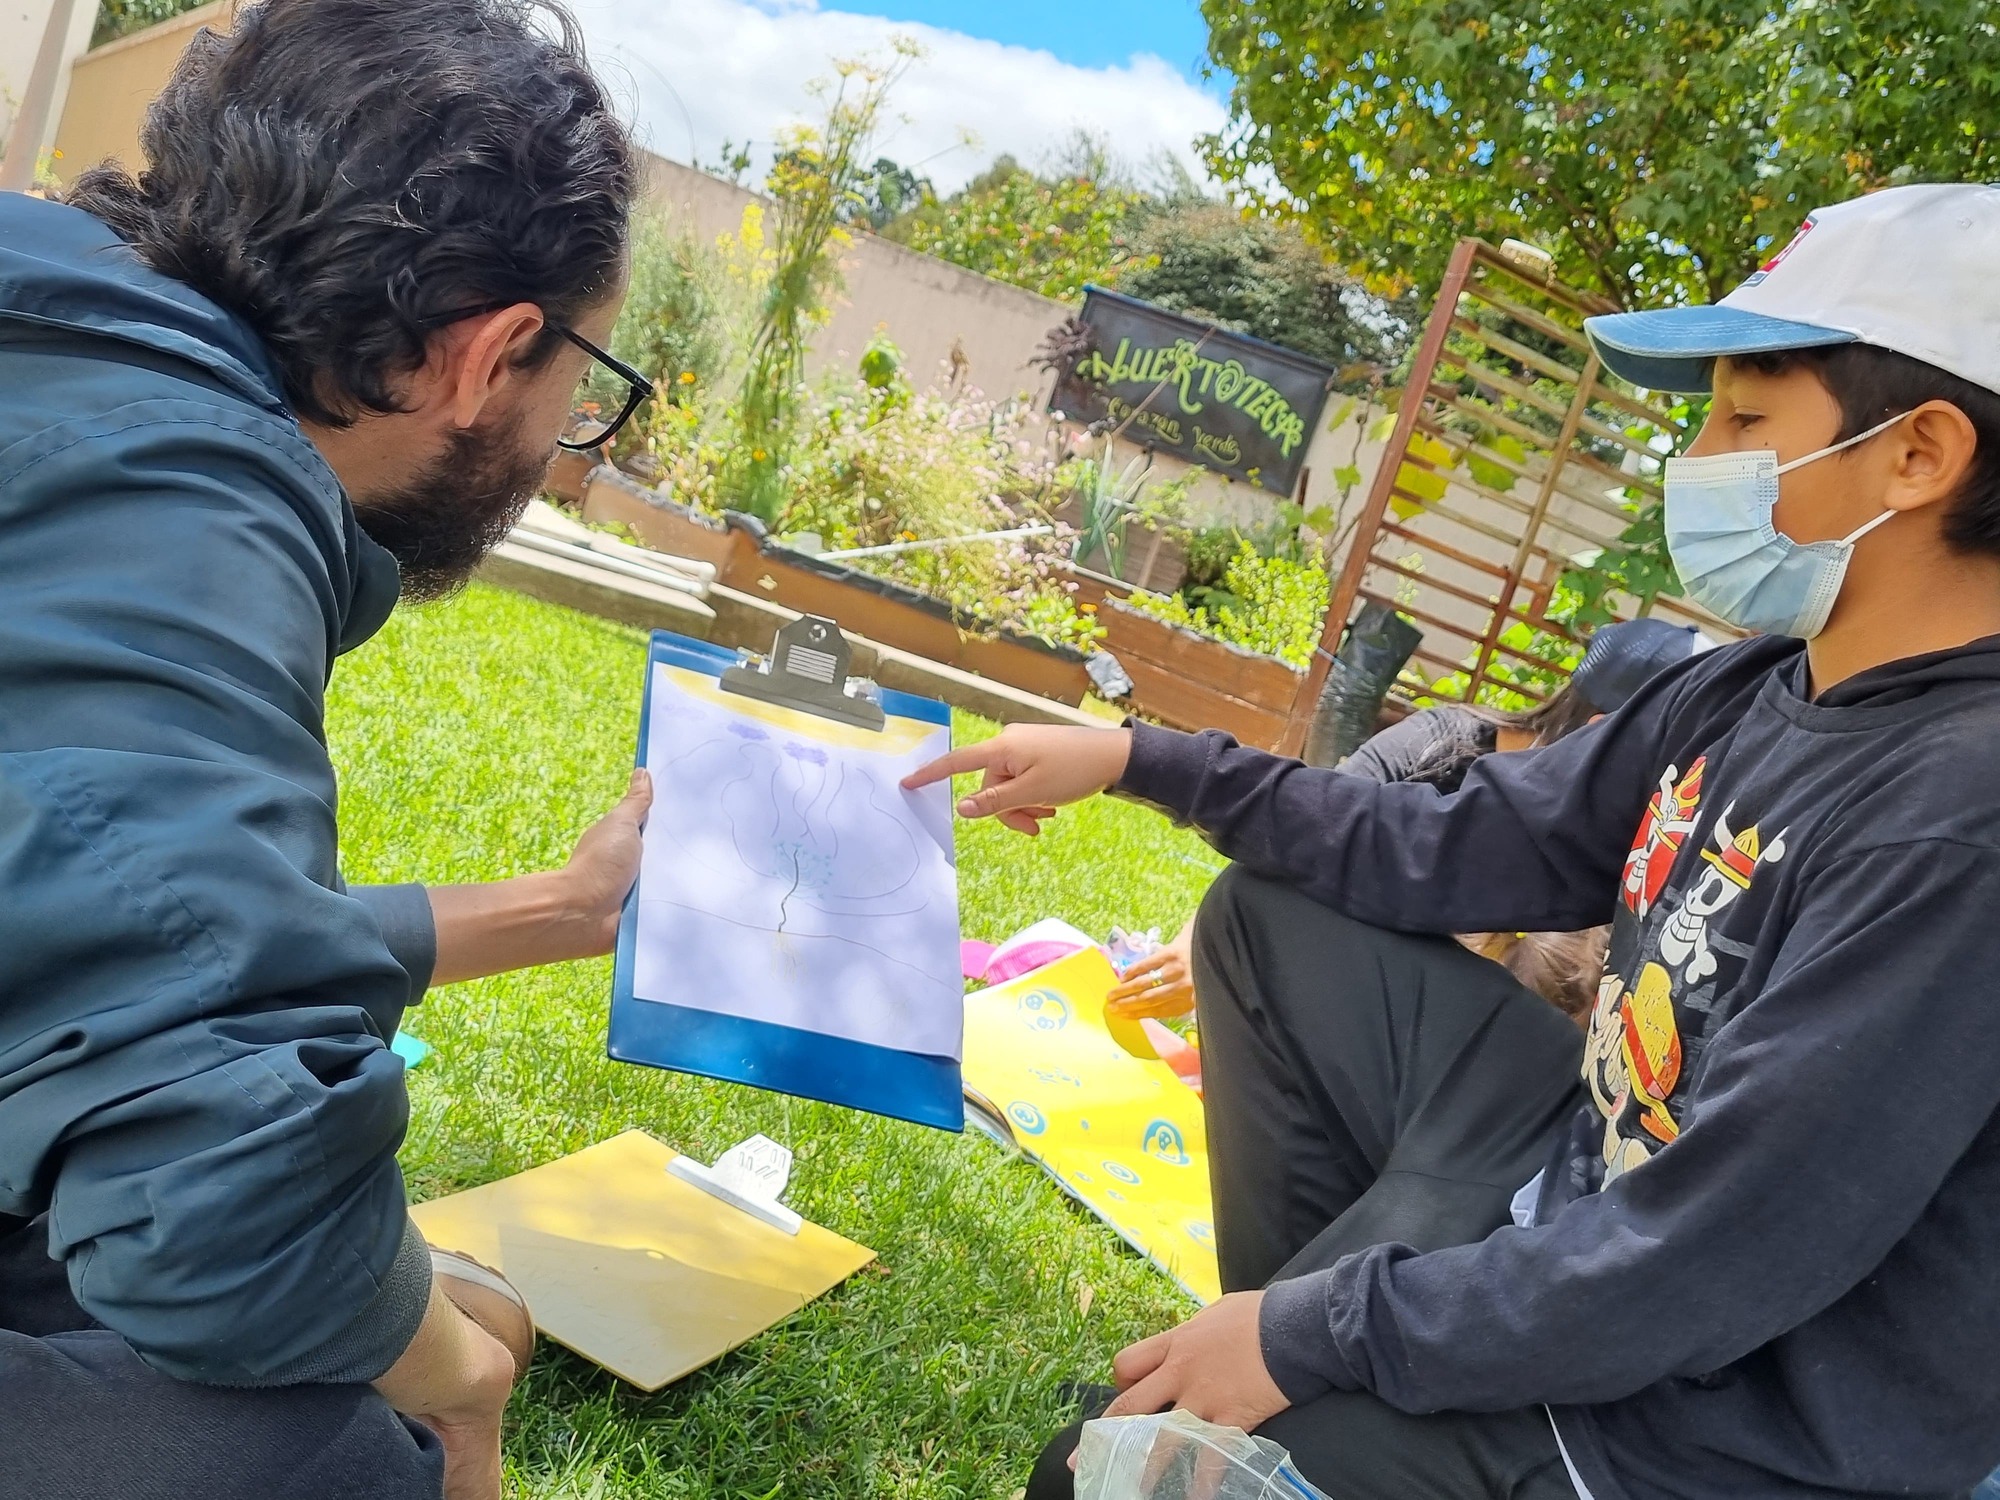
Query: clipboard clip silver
808	671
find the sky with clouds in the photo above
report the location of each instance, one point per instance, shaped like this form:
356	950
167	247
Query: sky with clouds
1017	78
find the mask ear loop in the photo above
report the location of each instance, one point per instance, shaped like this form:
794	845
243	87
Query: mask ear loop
1862	530
1859	437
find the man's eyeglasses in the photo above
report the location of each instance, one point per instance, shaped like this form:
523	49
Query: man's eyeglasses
589	430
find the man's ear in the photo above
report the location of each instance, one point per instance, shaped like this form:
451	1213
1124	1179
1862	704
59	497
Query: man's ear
493	349
1930	456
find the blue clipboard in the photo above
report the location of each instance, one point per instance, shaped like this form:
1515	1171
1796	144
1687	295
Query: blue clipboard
736	1049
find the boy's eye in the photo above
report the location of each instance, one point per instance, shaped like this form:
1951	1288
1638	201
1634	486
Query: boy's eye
1744	419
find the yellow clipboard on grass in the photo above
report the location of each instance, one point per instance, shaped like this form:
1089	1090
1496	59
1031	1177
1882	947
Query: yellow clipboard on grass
1122	1135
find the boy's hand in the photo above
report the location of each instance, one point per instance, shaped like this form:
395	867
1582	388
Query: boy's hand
1212	1365
1030	770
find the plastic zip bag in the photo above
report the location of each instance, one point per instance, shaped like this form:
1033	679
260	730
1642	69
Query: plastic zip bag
1176	1456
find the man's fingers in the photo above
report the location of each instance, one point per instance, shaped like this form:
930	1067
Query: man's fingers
1021	820
969	758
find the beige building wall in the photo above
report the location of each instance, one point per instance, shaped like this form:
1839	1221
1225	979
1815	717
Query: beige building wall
111	86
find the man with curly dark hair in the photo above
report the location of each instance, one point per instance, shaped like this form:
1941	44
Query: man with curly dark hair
317	354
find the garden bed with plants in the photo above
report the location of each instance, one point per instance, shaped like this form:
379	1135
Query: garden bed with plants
925	514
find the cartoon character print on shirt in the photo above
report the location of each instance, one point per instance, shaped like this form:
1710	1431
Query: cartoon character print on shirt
1732	864
1669	819
1635	1057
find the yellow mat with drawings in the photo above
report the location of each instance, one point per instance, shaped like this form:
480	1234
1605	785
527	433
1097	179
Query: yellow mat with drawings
1122	1134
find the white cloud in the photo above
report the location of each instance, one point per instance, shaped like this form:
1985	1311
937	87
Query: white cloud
695	73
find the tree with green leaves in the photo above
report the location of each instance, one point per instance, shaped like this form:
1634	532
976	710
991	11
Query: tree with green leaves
1656	151
1048	234
1262	277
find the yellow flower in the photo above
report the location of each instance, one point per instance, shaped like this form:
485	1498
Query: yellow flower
687	377
757	455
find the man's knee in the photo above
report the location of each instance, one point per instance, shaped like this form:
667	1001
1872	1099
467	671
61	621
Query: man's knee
104	1423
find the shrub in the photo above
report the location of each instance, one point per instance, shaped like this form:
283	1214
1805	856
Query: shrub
1274	605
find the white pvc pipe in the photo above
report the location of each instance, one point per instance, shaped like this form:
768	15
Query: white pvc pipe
663	577
890	549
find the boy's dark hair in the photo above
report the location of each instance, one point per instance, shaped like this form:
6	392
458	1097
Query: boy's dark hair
1872	384
340	174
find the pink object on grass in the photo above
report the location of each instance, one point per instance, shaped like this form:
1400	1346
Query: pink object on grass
1029	949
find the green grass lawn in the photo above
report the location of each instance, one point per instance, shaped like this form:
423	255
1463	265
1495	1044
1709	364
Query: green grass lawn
475	740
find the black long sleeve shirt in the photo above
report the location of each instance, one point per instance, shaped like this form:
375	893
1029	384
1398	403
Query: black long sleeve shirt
1764	1257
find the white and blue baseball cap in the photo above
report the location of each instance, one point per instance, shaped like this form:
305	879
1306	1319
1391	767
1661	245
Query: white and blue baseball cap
1913	269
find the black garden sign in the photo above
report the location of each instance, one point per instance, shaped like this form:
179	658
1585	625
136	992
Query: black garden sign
1231	403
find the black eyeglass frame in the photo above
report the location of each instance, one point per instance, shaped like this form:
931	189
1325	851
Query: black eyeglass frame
641	389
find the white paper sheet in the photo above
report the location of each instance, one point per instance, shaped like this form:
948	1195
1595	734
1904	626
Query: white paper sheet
788	878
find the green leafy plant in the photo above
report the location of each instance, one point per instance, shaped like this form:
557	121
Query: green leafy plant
116	18
815	186
1273	605
1112	500
676	323
1261	276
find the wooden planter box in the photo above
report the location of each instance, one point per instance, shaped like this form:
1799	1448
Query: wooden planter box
569	473
1193	681
906	619
659	523
863	604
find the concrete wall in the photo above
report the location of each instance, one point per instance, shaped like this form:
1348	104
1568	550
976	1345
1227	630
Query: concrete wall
22	24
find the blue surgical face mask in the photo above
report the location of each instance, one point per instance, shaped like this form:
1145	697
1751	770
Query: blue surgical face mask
1733	560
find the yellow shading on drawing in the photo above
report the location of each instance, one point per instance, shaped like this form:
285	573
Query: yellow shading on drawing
633	1268
1122	1134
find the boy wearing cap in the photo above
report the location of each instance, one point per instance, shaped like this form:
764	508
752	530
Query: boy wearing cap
1747	1251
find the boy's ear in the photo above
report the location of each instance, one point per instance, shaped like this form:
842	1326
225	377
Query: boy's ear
1931	453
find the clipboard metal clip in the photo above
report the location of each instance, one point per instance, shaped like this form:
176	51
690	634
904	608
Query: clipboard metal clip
808	671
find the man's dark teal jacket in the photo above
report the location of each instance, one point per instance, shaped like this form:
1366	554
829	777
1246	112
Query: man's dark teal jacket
194	1084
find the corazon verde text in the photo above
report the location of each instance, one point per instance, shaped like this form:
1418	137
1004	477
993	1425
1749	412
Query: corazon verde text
1181	367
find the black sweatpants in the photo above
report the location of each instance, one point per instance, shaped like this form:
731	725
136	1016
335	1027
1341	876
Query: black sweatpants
84	1418
1362	1087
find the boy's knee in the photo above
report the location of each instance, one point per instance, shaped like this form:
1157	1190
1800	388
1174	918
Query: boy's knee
1052	1478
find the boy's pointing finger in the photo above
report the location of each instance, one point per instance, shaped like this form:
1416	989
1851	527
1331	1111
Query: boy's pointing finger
957	763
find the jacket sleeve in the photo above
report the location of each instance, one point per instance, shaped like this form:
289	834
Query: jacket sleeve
194	1077
1533	841
1822	1122
409	930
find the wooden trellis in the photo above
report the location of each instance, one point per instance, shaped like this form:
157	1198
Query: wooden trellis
1513	455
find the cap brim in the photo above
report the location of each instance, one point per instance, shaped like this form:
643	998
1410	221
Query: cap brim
1672	348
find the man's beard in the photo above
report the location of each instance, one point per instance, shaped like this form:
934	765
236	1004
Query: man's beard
442	524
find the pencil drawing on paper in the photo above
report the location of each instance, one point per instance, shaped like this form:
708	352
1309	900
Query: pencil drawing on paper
790	879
